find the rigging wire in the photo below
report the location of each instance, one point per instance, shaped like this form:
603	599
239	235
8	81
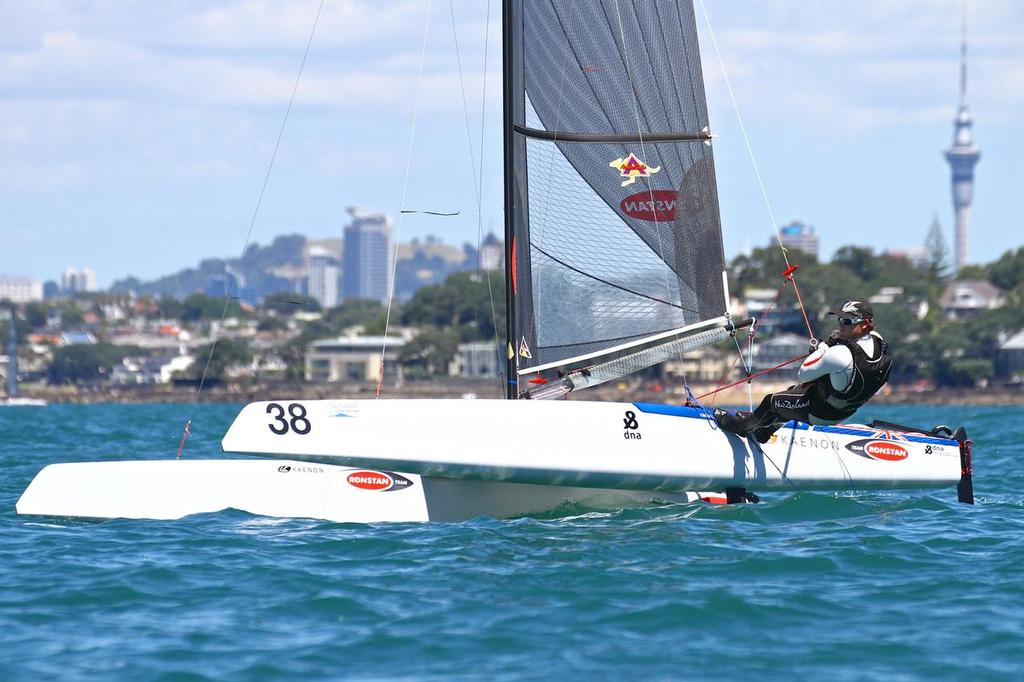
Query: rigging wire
478	175
790	268
252	223
405	191
480	200
743	131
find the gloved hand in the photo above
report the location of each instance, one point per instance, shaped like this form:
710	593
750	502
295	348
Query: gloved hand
832	339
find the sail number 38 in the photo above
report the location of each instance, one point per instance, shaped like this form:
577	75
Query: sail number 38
295	422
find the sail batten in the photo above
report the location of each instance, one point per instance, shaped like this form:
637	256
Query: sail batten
616	368
632	345
606	138
616	223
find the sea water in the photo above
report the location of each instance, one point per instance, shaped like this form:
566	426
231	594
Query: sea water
841	586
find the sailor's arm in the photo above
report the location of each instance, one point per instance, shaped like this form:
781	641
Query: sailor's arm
824	360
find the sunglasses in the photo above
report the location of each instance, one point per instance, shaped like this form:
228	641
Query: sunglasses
850	321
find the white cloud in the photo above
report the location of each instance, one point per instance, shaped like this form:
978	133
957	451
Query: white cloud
94	94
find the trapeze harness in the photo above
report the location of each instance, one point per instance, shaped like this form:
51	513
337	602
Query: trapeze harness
829	403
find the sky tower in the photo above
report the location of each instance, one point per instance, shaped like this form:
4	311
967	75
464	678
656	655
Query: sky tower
961	157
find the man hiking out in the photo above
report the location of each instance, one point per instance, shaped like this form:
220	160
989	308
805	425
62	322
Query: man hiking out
842	374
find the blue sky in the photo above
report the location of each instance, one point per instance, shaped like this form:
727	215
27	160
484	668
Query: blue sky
134	136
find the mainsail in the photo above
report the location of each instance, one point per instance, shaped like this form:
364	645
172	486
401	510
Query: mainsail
612	208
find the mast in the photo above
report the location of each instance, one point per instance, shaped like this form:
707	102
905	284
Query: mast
12	357
511	376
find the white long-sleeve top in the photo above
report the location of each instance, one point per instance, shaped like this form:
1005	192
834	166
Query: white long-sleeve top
835	361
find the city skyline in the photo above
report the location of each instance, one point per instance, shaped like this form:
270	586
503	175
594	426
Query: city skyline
137	151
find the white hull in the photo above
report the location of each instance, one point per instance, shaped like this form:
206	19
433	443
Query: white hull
23	402
172	489
339	461
587	444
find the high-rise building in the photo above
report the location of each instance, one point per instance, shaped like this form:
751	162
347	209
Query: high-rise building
962	157
367	256
797	235
323	277
75	281
20	289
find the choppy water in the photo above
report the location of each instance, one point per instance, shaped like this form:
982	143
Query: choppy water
844	586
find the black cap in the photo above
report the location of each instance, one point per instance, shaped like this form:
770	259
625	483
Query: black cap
861	309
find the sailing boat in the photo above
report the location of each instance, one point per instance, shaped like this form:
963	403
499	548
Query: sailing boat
614	263
13	399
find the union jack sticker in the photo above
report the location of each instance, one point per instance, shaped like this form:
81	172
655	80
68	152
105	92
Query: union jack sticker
877	434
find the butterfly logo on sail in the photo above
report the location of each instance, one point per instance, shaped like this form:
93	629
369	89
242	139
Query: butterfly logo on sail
632	168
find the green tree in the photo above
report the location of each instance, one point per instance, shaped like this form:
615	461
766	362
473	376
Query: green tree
227	353
860	260
353	312
938	251
83	363
430	352
972	272
202	307
36	315
167	308
969	371
462	302
1007	272
271	324
763	268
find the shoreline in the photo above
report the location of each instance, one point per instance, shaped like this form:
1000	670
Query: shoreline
621	392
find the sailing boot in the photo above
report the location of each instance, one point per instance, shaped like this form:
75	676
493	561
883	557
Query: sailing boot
741	425
764	434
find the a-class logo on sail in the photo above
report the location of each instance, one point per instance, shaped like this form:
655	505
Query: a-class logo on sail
884	450
632	168
380	481
657	205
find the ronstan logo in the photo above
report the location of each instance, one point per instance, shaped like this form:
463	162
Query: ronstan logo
657	205
382	481
883	450
890	452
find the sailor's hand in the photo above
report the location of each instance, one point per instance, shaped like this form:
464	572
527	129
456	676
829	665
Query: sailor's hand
832	339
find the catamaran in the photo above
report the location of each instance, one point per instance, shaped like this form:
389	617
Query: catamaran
614	263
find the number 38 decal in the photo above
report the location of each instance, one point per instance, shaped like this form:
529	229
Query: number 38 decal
297	422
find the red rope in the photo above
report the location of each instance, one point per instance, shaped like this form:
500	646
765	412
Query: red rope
753	376
790	274
184	437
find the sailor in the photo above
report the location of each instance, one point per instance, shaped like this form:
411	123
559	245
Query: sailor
840	375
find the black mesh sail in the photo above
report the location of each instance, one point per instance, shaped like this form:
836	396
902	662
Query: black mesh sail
614	207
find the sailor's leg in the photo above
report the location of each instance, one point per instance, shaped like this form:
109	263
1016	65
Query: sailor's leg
745	424
783	406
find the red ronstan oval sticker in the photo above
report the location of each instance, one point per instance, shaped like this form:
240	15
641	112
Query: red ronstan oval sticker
657	205
370	480
884	450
